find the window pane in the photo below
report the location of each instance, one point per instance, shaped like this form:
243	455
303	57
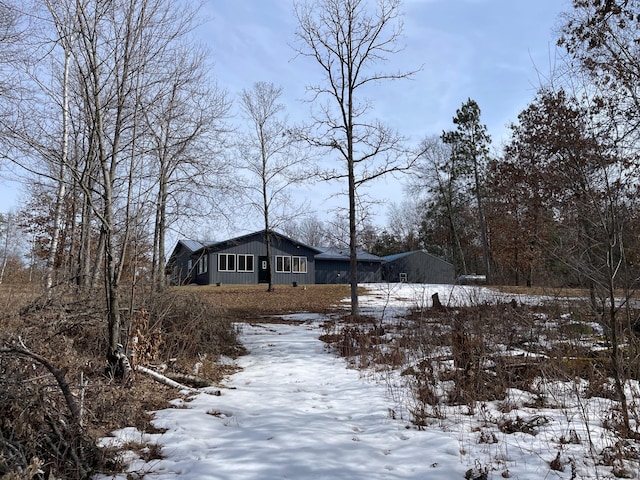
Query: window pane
231	263
249	263
287	264
241	263
222	262
279	264
303	264
296	264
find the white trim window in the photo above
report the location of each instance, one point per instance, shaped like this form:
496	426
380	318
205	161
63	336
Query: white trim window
226	262
299	264
283	264
202	264
286	264
245	263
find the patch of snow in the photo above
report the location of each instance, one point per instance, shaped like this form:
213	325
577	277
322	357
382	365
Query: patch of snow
295	411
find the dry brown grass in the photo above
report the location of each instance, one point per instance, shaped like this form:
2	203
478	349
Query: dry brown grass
180	327
541	290
250	302
554	292
15	297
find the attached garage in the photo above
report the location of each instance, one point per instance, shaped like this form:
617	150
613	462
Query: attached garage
332	266
418	266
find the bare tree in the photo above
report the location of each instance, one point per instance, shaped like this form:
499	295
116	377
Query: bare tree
309	230
438	173
602	38
9	37
65	29
273	159
8	237
349	39
184	123
120	52
403	222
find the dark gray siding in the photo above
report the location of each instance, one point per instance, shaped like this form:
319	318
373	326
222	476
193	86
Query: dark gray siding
178	268
337	271
419	267
255	246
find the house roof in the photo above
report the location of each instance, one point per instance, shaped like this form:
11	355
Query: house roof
242	238
193	245
322	253
391	258
397	256
333	253
189	245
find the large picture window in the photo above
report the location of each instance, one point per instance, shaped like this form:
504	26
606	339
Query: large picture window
286	264
299	264
283	264
245	263
226	262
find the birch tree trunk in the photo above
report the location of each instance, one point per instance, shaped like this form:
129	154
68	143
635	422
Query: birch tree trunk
62	174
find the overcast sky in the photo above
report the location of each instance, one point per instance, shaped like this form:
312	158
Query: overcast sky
493	51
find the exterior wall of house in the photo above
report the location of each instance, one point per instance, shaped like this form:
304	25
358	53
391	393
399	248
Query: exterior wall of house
419	267
337	271
179	268
254	247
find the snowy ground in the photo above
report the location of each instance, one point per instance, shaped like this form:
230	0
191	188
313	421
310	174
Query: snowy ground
295	411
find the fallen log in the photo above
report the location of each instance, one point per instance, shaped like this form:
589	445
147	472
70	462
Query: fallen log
191	380
158	377
165	380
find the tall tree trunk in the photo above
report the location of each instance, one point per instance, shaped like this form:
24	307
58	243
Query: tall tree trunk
83	262
5	247
353	238
265	206
616	354
57	216
158	260
482	223
455	238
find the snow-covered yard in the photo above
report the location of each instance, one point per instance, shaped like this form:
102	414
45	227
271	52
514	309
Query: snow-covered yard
295	411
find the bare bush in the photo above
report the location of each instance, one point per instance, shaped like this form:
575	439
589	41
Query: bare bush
57	396
36	423
185	326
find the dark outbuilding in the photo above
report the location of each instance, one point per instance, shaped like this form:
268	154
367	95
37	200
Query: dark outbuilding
418	266
332	266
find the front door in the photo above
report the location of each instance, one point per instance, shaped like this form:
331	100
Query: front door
263	270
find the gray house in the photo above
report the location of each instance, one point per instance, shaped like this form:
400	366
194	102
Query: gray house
180	264
243	260
418	266
332	266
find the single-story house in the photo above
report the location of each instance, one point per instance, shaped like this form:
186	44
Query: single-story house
243	260
418	266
